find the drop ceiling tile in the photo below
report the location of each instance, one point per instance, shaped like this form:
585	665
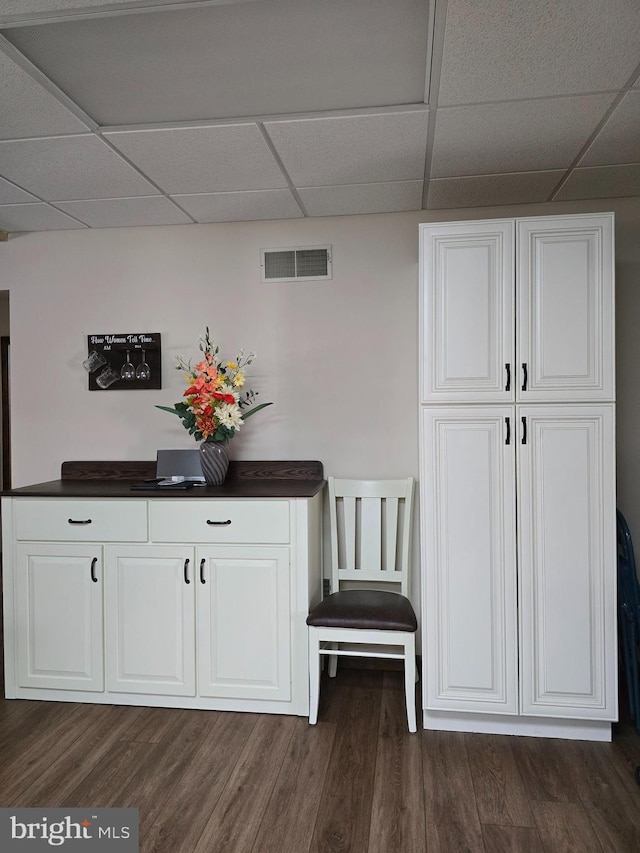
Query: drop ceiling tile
619	139
34	217
362	198
27	109
498	50
70	167
360	149
13	195
122	212
601	182
221	158
210	61
516	137
482	190
243	206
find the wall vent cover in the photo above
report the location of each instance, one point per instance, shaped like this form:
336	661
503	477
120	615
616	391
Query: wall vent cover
300	263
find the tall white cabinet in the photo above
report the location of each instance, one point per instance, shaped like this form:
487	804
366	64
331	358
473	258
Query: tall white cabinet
518	476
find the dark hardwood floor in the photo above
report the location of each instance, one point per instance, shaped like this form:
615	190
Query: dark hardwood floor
357	782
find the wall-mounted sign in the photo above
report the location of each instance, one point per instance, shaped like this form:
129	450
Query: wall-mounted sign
124	361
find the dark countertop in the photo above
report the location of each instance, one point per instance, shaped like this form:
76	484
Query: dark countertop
281	479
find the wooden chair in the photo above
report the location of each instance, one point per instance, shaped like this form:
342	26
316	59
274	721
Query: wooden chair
370	543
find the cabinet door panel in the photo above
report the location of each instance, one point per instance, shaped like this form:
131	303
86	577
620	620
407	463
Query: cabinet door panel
151	626
468	500
59	609
244	645
568	562
565	308
467	335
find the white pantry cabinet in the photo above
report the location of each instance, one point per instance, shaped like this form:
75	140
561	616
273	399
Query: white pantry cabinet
196	603
518	310
518	477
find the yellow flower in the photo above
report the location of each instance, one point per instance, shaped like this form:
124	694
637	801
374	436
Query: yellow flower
232	365
238	379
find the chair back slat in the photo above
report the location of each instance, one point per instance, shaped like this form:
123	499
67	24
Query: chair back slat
370	531
370	534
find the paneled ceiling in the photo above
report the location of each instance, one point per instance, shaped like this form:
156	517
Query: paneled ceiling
156	112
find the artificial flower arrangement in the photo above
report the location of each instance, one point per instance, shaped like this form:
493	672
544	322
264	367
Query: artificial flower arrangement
216	404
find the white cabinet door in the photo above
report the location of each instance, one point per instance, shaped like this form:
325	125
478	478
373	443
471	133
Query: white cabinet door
244	625
59	616
566	523
467	322
150	628
565	309
468	541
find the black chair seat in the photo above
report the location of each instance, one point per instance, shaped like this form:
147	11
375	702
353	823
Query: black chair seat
367	609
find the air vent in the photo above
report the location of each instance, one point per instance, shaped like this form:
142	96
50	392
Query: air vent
297	264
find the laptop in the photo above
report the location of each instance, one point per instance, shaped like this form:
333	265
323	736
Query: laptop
179	466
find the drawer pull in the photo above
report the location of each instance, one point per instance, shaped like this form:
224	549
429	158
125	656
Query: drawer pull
80	521
202	578
186	571
93	570
218	523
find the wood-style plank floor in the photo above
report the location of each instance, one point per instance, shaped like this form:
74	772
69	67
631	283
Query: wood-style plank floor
357	782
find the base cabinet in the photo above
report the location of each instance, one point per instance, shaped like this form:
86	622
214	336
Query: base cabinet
196	618
548	591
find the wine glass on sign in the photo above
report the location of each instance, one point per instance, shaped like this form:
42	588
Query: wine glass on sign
128	371
143	371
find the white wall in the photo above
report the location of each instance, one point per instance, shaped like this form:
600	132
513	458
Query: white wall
337	358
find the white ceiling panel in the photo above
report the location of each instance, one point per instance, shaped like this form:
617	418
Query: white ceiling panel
362	198
244	206
34	217
235	60
70	167
352	149
222	158
483	190
619	139
496	50
26	109
515	137
123	212
601	182
13	195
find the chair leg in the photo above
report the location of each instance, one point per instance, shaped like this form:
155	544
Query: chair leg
333	663
314	676
410	681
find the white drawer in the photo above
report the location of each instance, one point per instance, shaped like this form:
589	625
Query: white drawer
228	521
81	520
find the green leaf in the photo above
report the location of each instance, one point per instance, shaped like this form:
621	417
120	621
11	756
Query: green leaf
173	411
245	415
